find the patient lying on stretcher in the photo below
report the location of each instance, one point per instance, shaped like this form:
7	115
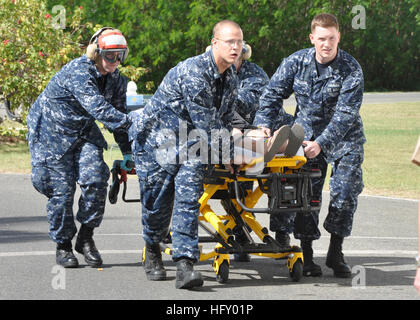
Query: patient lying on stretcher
255	144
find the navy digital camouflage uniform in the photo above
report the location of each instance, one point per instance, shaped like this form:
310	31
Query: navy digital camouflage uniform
66	145
192	96
252	81
328	109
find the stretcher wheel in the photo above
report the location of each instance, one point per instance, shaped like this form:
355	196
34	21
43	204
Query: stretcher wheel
297	271
222	275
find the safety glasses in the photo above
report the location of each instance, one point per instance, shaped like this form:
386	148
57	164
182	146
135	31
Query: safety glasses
113	56
232	42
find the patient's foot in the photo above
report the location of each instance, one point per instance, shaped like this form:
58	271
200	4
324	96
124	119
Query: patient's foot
284	140
297	134
277	143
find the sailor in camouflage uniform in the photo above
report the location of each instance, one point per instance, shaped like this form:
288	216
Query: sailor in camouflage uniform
252	81
66	145
193	103
328	86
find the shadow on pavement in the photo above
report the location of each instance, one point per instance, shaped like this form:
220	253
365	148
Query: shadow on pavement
9	234
367	271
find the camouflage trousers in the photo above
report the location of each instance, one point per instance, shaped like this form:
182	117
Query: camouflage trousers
346	183
164	196
56	179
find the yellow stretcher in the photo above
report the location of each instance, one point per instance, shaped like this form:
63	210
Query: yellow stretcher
288	188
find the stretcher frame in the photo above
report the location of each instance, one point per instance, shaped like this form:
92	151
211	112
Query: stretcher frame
283	179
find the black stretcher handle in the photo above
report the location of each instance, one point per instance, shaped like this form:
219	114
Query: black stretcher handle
114	189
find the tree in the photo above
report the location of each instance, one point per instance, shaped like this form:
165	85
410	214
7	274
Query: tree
33	48
35	44
161	33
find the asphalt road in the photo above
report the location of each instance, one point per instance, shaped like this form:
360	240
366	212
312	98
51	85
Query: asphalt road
381	252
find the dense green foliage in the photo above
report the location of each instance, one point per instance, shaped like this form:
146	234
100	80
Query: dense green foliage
32	50
35	44
161	33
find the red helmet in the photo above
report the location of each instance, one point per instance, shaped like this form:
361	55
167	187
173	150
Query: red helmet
108	42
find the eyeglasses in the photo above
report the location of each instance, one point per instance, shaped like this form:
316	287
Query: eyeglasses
231	42
113	56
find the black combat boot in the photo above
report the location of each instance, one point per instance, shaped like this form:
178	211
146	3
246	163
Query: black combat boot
335	258
153	265
283	239
310	269
64	255
86	246
186	277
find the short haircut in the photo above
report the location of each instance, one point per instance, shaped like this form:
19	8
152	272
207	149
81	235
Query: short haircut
223	23
324	20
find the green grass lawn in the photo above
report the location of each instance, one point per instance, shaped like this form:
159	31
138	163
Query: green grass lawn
15	158
391	130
